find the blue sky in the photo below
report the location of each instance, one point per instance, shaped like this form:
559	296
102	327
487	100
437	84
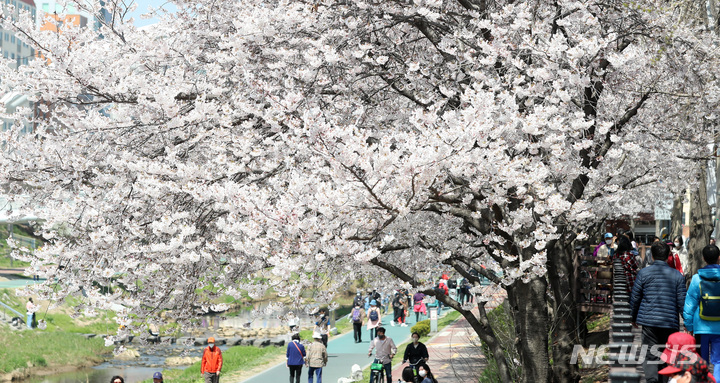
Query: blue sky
142	8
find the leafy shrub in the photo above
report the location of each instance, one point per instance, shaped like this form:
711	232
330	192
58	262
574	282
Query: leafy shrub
422	328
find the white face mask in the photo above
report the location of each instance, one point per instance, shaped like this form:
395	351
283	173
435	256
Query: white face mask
608	241
677	244
211	345
673	380
423	373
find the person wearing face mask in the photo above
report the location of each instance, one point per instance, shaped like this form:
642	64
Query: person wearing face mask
211	363
416	352
323	326
426	375
604	249
385	350
680	254
688	368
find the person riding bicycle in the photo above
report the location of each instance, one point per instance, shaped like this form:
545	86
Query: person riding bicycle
385	350
416	352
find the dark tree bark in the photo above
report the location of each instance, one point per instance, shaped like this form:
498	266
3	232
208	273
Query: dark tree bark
701	224
563	334
528	302
676	217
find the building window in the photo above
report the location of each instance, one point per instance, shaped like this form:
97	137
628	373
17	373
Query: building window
12	56
12	39
7	36
46	7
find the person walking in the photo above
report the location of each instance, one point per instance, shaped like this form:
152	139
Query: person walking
385	350
624	253
358	300
323	326
374	320
397	308
357	316
293	321
157	377
678	255
316	359
656	301
211	363
419	305
416	352
702	306
403	308
295	355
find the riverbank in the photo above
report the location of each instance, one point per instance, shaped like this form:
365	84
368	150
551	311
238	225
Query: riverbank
29	353
239	362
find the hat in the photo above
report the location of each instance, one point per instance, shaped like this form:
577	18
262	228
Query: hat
211	340
608	235
317	335
157	375
678	342
692	363
373	303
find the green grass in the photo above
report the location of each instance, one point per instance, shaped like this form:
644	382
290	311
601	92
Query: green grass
5	260
42	348
104	323
235	359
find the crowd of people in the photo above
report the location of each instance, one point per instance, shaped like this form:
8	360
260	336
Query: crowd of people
366	316
660	295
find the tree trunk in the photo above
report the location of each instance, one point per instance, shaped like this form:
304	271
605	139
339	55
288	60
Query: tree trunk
676	217
564	319
701	224
529	307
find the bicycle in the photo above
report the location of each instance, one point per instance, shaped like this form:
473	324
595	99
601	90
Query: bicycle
377	371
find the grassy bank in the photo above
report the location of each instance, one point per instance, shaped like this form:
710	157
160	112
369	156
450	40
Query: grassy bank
43	349
238	362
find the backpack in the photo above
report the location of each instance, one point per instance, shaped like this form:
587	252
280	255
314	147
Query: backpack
452	284
442	288
709	299
356	315
373	315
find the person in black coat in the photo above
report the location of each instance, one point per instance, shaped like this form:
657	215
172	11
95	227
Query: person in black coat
416	351
656	302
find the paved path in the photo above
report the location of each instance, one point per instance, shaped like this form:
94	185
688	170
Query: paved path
343	352
455	352
9	279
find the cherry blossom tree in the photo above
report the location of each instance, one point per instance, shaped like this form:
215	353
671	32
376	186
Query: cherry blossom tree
238	146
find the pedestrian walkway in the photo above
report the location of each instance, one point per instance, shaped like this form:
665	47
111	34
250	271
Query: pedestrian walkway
455	355
343	352
455	352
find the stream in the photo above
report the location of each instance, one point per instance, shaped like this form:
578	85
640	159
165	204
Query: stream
152	357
